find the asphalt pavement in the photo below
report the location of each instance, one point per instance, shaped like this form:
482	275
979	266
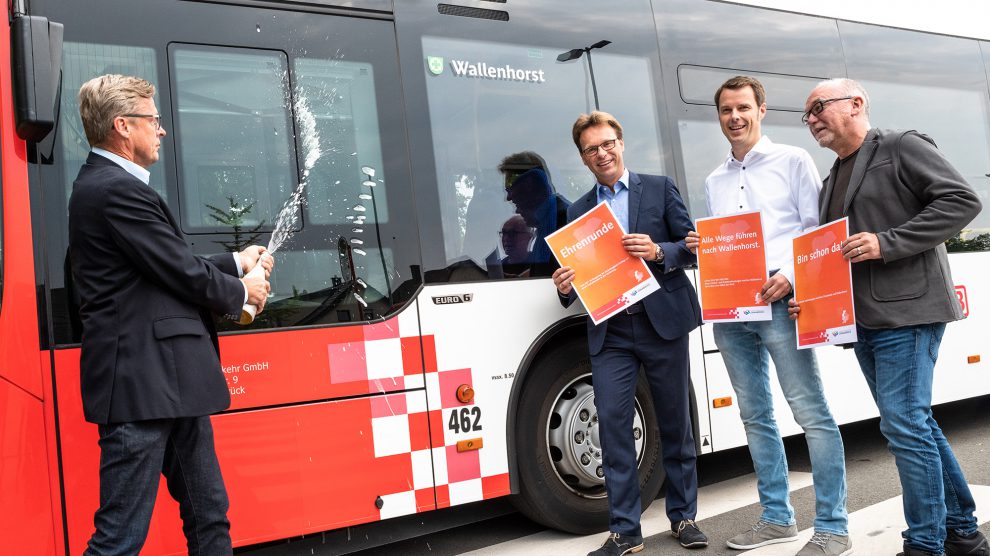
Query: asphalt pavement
728	500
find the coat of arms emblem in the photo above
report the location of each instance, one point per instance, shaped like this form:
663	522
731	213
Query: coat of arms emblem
435	63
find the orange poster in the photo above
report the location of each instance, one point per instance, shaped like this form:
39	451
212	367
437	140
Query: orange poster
732	268
823	287
607	279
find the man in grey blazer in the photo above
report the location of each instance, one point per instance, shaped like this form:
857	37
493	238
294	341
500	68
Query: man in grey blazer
903	200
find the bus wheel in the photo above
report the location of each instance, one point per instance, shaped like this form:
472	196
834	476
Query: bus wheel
561	477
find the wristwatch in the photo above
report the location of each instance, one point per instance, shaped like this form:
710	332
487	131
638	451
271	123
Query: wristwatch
659	254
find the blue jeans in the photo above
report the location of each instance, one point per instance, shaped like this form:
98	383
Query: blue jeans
133	456
746	349
899	367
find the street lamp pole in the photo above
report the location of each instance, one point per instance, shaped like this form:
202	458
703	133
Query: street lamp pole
591	72
576	53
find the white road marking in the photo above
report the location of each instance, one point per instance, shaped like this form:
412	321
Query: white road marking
875	529
713	500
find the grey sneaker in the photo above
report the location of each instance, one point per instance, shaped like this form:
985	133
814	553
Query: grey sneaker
827	544
762	534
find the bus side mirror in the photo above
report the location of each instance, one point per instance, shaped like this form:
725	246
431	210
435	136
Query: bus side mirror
36	51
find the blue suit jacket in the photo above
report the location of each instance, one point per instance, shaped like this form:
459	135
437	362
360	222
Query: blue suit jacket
656	209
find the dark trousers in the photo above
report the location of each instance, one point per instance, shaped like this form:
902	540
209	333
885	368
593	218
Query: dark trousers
631	342
132	458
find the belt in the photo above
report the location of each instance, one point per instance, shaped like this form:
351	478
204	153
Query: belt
633	309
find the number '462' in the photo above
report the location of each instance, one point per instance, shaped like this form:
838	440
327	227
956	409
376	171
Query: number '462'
466	419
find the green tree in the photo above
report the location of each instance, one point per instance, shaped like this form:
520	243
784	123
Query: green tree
234	218
978	243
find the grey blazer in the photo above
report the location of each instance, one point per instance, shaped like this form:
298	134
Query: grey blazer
905	191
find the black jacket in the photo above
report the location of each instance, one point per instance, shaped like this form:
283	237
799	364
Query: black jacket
149	344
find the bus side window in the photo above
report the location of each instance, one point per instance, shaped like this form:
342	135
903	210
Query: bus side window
259	128
347	186
942	94
233	141
805	50
82	61
236	149
703	146
507	169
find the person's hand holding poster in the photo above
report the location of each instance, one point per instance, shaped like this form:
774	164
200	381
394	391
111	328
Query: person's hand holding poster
823	287
607	279
732	268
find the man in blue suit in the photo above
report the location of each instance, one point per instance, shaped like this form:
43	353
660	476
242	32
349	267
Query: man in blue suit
652	334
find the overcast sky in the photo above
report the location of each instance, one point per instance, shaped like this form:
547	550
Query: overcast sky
967	18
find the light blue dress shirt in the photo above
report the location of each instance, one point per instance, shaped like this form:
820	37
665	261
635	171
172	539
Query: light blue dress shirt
617	199
132	168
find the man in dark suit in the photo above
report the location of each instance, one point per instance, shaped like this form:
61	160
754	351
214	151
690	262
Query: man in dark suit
903	200
150	360
652	334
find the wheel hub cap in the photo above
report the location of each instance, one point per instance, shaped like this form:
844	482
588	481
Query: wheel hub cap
574	441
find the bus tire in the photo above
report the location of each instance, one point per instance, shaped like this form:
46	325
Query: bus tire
559	456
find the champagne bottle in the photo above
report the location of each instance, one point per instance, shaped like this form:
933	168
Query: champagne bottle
249	311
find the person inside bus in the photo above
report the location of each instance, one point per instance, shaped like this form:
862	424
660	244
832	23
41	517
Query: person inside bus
150	369
652	334
528	188
904	199
782	183
516	238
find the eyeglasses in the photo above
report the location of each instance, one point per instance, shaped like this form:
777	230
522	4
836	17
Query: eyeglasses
818	106
157	118
593	150
513	233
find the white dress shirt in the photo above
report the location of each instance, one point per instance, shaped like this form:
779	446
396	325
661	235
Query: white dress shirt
782	183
